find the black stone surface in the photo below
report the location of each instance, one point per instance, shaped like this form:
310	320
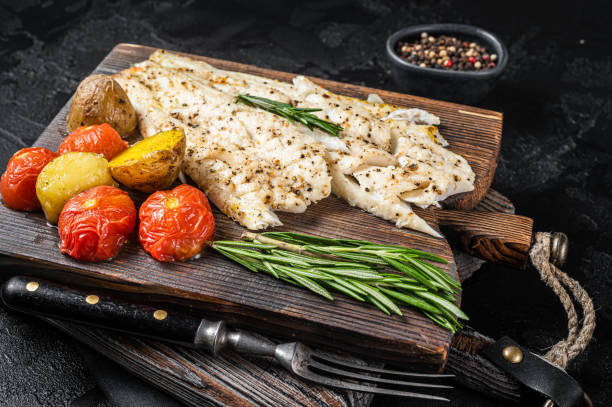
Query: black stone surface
556	160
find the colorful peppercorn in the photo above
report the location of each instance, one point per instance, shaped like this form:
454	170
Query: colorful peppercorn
446	52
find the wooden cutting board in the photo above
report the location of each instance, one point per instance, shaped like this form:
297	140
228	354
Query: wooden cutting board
198	379
259	302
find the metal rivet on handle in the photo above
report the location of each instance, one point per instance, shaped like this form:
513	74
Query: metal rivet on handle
160	315
92	299
32	286
512	354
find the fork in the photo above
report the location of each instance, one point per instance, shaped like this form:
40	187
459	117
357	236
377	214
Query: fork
36	296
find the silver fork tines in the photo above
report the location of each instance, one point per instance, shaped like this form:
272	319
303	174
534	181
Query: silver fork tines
320	368
365	368
363	377
317	367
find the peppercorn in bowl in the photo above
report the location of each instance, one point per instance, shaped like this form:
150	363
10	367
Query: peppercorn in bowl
446	61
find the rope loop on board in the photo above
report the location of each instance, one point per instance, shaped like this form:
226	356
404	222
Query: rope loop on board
579	334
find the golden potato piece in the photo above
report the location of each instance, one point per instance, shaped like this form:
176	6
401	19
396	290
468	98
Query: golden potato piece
99	99
151	164
68	175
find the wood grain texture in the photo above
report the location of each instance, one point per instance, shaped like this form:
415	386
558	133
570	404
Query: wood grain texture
172	373
259	302
474	371
467	264
198	379
496	237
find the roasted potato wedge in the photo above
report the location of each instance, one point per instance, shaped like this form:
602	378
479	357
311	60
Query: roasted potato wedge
68	175
99	99
151	164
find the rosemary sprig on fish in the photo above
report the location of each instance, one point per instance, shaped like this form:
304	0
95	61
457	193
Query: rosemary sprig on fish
291	113
354	268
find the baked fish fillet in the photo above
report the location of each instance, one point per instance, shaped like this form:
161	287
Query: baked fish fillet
385	159
250	163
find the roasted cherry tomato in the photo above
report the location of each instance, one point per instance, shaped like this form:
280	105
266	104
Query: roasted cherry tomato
95	224
175	224
99	138
18	183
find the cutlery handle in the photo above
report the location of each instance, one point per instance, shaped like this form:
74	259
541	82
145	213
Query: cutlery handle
41	297
492	236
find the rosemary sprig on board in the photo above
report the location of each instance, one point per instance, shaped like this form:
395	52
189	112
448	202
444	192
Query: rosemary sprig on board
355	268
291	113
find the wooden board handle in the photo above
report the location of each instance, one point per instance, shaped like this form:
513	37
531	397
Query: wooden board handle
493	236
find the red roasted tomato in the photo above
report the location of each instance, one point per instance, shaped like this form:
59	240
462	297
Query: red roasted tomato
99	138
18	183
95	224
175	224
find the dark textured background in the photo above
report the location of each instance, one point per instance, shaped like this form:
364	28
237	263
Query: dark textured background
556	160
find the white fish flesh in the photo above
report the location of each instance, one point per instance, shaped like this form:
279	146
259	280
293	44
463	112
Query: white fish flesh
385	159
250	163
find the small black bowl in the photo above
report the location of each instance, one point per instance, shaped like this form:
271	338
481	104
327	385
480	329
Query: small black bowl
458	86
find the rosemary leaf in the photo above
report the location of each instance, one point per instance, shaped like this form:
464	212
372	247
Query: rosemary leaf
318	261
290	281
313	239
399	277
449	306
270	268
337	286
373	292
302	272
415	302
312	286
365	258
309	259
441	321
419	265
351	273
347	284
257	255
236	259
378	304
442	274
409	287
410	271
242	243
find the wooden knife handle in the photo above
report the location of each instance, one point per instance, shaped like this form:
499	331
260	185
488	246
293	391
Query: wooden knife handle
492	236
